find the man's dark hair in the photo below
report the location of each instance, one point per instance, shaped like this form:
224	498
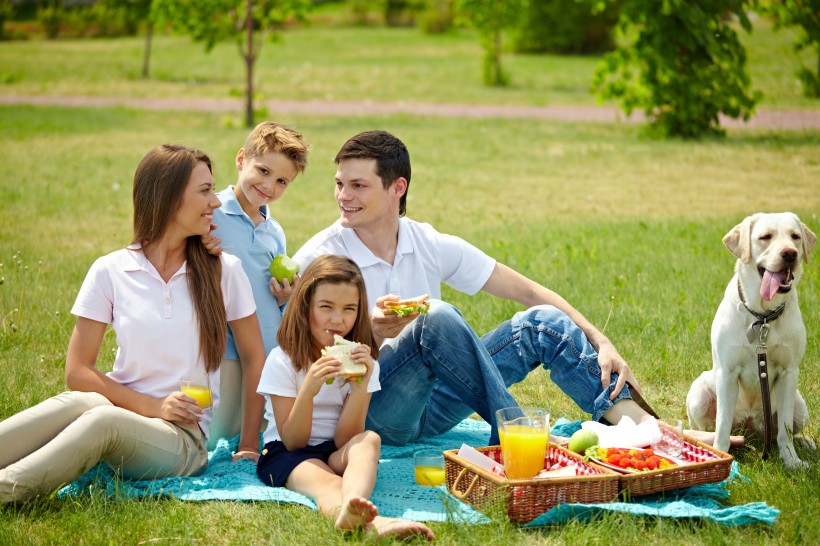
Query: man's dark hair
390	153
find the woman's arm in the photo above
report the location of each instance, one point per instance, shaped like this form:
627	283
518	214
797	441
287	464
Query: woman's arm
81	374
251	350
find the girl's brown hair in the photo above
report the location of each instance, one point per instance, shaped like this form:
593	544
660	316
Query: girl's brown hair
159	184
294	333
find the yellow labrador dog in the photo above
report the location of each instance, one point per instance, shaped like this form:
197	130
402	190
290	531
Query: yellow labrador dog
770	249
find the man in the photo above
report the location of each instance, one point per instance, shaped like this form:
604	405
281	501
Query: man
435	370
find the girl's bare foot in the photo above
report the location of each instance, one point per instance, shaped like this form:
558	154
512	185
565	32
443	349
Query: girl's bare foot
708	438
357	512
400	528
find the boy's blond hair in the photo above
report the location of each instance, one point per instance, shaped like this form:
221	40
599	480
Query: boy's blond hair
270	136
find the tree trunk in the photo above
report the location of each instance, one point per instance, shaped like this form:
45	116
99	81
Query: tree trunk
249	61
146	52
497	76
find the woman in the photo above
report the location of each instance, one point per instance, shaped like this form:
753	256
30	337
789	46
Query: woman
167	300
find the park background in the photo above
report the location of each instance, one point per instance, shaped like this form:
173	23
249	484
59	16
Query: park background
625	225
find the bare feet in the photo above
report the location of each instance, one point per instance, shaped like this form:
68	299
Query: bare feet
400	528
708	438
356	513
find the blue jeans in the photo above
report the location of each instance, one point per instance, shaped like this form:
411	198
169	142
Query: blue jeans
438	371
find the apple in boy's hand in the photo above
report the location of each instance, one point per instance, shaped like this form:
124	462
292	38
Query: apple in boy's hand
283	267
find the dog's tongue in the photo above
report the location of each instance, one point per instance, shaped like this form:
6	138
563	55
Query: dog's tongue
771	284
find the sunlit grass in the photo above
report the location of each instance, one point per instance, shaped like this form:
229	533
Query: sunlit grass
627	230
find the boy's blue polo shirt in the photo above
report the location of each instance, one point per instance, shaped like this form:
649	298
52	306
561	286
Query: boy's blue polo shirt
255	246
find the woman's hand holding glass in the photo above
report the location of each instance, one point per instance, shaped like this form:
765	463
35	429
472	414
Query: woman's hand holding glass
178	407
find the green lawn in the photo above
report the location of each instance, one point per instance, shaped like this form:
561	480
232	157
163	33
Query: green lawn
628	230
347	64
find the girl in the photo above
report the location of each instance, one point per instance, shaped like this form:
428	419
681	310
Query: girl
315	443
167	300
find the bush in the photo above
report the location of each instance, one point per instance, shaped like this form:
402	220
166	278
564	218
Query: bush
566	26
683	65
437	16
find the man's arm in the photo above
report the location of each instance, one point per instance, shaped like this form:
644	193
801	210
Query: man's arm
505	282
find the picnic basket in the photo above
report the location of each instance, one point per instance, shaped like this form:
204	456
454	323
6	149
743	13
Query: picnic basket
704	464
524	500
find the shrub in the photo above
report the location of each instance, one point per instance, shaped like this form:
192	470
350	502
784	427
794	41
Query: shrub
683	65
566	26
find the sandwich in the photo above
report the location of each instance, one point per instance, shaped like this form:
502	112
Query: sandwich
341	350
409	306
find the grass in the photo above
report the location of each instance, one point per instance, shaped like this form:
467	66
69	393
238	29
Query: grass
348	64
628	230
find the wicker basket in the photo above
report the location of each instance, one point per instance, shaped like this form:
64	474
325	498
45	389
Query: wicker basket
704	464
524	500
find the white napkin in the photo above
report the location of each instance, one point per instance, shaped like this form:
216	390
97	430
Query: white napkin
626	433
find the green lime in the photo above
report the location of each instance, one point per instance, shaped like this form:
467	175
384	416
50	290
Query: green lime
582	440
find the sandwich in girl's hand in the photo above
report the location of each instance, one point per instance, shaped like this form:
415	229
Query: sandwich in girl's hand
405	307
341	350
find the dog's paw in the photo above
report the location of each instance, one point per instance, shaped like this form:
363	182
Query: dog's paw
796	464
791	460
807	443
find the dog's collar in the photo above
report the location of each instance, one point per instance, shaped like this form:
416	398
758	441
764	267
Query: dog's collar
761	317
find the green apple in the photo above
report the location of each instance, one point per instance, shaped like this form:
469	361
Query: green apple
582	440
283	267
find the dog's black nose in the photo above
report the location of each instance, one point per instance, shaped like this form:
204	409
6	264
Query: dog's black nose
789	255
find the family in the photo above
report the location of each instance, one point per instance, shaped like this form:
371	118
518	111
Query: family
169	294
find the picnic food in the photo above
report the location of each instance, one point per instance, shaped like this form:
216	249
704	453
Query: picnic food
341	350
635	460
581	440
283	267
408	306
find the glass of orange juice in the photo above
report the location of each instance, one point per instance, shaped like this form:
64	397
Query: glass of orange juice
197	386
524	434
429	467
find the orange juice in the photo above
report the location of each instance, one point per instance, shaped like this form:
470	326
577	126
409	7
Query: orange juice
201	394
523	449
429	475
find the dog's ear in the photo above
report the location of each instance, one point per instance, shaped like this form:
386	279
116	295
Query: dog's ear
739	239
809	238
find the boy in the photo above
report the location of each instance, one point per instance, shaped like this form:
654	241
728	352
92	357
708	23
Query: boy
272	157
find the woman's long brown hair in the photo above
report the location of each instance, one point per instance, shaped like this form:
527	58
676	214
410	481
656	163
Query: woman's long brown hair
159	184
294	335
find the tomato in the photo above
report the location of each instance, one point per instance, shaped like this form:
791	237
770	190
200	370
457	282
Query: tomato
625	462
614	458
640	465
648	452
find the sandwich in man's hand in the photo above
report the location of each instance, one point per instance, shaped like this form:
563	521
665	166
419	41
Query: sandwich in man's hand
341	350
408	306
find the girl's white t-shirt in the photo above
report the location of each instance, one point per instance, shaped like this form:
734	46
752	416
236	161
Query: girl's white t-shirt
280	378
154	321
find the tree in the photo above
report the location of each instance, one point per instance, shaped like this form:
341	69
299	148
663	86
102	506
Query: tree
806	15
247	22
490	18
683	64
136	12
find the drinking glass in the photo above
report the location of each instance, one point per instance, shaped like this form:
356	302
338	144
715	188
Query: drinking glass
524	434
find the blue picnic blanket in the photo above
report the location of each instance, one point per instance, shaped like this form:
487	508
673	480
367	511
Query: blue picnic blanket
397	495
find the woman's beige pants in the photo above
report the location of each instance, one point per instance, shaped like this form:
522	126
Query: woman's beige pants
56	441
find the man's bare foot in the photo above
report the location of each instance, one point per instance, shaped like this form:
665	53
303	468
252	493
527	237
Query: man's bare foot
708	438
357	512
400	528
